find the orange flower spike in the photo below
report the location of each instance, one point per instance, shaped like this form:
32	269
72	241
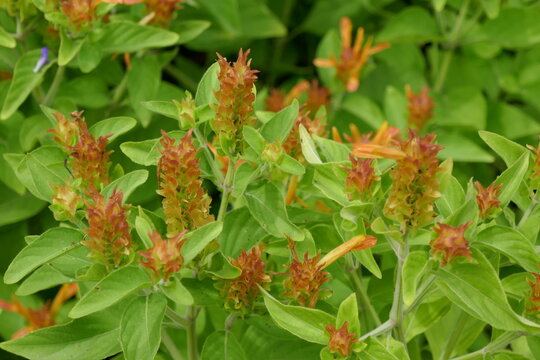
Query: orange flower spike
352	59
450	243
487	199
163	10
415	185
305	278
65	202
318	96
356	243
275	100
341	340
66	131
235	99
108	229
535	177
360	179
533	300
420	107
164	258
240	293
185	203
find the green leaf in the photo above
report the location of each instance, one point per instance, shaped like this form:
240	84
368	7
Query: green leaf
127	184
126	37
198	239
188	30
461	149
114	126
439	5
23	82
146	152
376	350
254	139
6	40
140	326
515	27
265	202
90	338
491	7
463	107
68	48
240	231
242	177
511	243
511	179
511	121
222	267
452	198
308	147
414	23
143	85
258	21
110	290
165	108
308	324
15	207
290	165
222	345
395	105
413	268
176	292
144	227
364	109
208	84
348	311
332	150
90	56
279	126
330	180
508	150
48	246
476	288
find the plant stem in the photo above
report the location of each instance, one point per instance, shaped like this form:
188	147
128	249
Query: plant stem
454	337
176	318
499	343
396	313
383	328
422	291
57	80
192	350
363	297
528	211
170	346
226	190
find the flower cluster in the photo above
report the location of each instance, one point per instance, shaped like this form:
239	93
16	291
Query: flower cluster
44	316
163	10
240	293
352	58
415	185
533	300
65	201
164	258
67	130
304	278
420	107
487	199
384	144
360	179
450	243
108	229
185	203
235	99
341	340
80	13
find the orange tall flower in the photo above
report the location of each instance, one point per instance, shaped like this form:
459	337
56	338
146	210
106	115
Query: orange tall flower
185	203
450	243
352	59
415	183
360	179
235	101
305	278
164	258
420	107
384	144
317	96
533	300
108	229
356	243
341	340
240	293
44	316
487	199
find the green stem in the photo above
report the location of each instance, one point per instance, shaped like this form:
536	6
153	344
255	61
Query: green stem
170	346
454	336
422	292
443	71
55	85
528	211
192	349
397	313
176	318
363	297
499	343
383	328
120	89
227	187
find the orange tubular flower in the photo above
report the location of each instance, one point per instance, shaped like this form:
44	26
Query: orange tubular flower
487	199
450	243
43	317
341	340
356	243
108	229
165	257
186	205
352	59
533	300
360	179
384	144
240	293
420	107
235	101
415	183
305	278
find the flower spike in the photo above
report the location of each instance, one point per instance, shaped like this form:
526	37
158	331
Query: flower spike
450	243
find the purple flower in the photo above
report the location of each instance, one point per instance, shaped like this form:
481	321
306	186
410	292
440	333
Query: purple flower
43	59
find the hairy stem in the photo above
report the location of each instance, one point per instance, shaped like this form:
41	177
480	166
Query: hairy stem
383	328
192	349
499	343
397	313
227	187
57	80
528	211
170	346
176	318
363	297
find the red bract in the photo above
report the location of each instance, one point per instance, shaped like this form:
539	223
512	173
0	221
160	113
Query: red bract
360	179
305	278
420	107
240	293
415	185
186	205
487	199
164	258
42	317
235	99
341	340
108	229
450	243
352	59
